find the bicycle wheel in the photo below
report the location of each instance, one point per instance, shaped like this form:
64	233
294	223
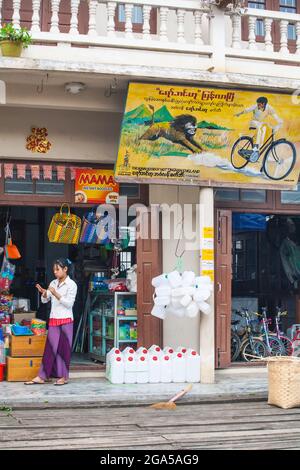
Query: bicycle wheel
276	346
243	143
235	346
287	345
279	160
257	349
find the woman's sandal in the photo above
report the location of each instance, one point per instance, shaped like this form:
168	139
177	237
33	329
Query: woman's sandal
60	383
33	382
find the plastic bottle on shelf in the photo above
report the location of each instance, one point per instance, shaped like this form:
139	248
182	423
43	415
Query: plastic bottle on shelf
192	366
109	356
116	370
142	369
178	367
155	369
130	369
166	369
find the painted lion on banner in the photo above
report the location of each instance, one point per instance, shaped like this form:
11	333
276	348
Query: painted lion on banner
179	131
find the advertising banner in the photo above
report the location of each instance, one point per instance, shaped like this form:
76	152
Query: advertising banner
96	186
220	137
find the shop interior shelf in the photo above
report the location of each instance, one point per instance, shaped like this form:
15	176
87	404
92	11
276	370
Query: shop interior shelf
127	340
126	318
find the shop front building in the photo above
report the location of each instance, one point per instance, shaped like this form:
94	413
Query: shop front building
72	84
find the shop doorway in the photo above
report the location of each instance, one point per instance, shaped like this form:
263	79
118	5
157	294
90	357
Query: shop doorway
29	227
257	285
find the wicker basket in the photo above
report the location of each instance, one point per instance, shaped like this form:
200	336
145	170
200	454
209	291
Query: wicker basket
284	381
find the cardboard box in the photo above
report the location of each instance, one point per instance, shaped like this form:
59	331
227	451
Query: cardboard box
18	317
22	369
23	346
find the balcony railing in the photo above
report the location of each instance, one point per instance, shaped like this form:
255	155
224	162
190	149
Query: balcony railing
178	29
274	44
186	26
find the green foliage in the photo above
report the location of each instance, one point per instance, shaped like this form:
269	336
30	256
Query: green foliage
9	33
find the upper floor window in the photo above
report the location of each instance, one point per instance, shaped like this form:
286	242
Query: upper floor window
289	6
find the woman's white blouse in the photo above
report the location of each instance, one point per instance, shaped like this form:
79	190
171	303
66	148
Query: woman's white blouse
62	308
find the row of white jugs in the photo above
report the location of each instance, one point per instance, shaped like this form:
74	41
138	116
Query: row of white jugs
152	365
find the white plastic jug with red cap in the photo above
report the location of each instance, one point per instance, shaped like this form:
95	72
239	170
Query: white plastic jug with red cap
181	349
178	367
168	351
112	353
155	349
142	351
128	351
116	369
155	368
192	366
142	369
166	369
130	369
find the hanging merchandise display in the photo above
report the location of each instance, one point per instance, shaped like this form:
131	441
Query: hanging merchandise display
181	295
97	228
64	227
11	250
6	275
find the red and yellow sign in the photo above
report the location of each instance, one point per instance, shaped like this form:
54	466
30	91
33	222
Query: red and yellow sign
96	186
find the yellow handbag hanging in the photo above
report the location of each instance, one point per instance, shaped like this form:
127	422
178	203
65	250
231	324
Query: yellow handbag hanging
64	227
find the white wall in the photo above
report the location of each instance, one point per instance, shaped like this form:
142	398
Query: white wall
177	331
75	135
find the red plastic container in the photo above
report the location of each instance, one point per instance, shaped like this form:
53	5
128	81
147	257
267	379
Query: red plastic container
2	368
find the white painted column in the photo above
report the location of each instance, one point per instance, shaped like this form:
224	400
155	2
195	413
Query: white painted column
128	20
268	34
111	9
236	30
163	30
74	17
207	322
217	38
298	37
180	25
146	22
54	18
284	37
92	17
35	21
252	35
16	13
198	26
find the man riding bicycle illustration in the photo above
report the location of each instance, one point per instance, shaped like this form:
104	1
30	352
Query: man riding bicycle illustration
260	111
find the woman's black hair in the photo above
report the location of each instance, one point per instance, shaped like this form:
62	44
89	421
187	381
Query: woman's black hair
65	263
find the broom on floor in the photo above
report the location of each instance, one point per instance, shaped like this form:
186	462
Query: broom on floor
171	405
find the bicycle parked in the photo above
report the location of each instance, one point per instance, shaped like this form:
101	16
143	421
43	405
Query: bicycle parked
273	344
251	346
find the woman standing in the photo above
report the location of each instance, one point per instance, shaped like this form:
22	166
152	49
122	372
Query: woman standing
57	355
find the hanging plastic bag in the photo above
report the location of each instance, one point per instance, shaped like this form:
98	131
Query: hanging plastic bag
7	274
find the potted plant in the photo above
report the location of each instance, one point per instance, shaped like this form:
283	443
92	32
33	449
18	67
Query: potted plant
13	40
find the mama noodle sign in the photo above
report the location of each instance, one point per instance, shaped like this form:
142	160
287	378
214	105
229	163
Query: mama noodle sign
219	137
96	186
